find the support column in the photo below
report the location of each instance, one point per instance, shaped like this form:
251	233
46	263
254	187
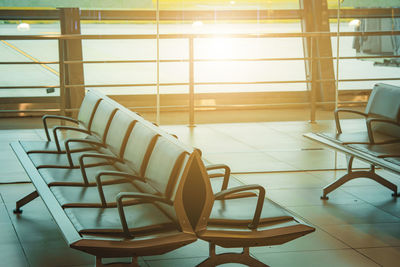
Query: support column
315	19
73	73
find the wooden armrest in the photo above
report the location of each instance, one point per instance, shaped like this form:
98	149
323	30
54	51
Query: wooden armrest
226	174
371	134
55	129
68	151
143	197
260	201
337	121
46	117
92	155
113	173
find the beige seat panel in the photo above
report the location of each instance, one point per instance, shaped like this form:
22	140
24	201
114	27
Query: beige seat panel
51	160
116	134
241	211
140	218
162	165
59	176
101	120
137	147
88	107
354	137
78	196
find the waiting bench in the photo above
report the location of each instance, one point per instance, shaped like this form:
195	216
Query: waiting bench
378	143
135	190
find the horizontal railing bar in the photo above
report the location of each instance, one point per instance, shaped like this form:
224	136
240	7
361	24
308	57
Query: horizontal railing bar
183	36
200	83
358	80
365	13
27	62
35	14
195	60
302	104
190	15
29	87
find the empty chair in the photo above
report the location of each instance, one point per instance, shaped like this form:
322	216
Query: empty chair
101	123
246	221
382	114
111	180
389	151
84	122
163	173
384	104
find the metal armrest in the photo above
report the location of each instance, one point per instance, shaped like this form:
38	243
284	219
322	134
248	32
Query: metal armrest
113	173
55	129
92	155
226	174
337	121
68	150
143	197
371	134
45	117
260	201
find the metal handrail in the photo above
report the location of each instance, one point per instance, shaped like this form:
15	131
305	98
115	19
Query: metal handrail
192	35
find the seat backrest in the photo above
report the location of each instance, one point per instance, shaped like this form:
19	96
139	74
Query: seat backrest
88	108
102	119
138	148
164	166
384	101
120	129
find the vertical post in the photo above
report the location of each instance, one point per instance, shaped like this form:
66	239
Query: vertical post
314	84
315	19
72	51
62	76
158	101
337	56
191	82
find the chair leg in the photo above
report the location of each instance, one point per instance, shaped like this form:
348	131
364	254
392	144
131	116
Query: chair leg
242	258
350	175
134	263
25	200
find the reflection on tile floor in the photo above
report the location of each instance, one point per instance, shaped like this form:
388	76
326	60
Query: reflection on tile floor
358	226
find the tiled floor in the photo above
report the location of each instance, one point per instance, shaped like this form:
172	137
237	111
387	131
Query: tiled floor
358	226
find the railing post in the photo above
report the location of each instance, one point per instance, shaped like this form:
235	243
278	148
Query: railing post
315	19
314	85
191	83
61	64
70	24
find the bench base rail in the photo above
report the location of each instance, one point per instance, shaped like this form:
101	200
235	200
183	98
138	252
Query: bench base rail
242	258
350	175
25	200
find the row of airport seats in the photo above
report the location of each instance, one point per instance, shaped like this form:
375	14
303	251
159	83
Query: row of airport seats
129	189
377	142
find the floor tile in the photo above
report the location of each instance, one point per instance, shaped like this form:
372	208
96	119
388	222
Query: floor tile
13	255
344	214
57	253
326	258
7	234
366	235
318	240
282	180
249	162
310	197
14	192
386	257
